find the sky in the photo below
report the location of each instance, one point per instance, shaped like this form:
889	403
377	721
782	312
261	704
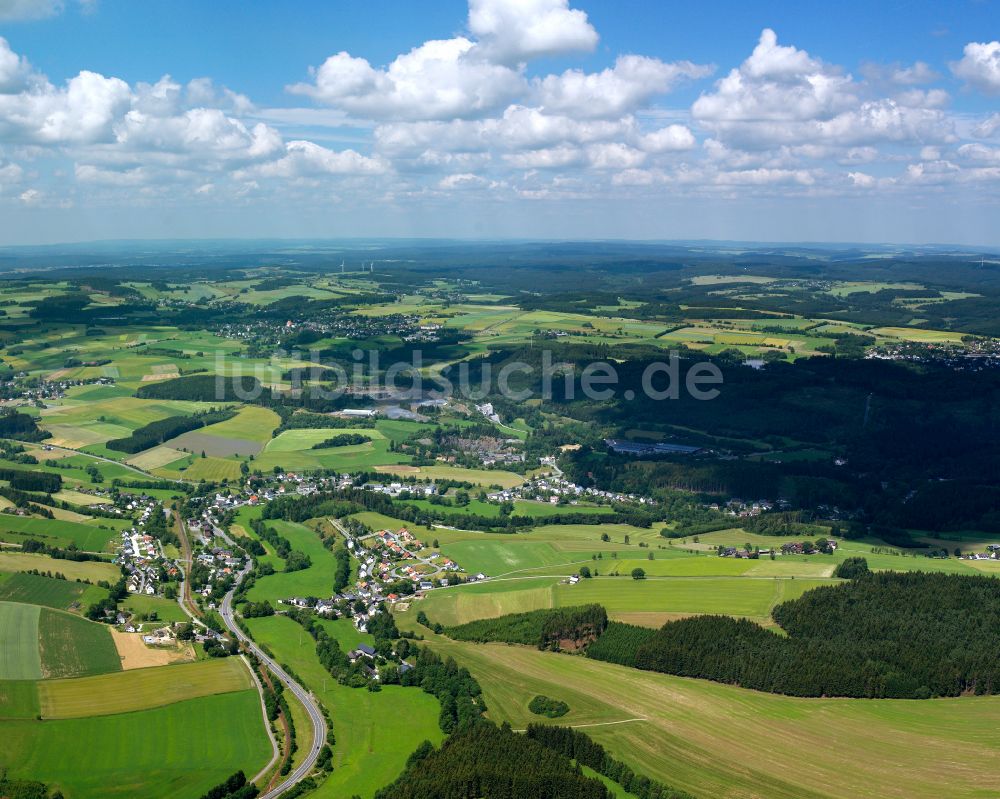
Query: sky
566	119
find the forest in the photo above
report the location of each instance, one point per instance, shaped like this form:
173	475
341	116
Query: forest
568	628
907	635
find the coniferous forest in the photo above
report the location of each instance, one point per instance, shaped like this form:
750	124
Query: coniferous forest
901	635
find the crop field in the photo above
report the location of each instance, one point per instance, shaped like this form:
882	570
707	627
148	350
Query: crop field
155	458
70	646
483	477
84	570
18	699
182	749
141	689
19	657
86	537
375	732
208	468
32	589
721	741
918	334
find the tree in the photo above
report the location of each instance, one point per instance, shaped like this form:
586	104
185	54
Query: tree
638	574
585	572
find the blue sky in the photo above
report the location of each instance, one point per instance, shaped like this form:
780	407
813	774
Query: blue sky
839	121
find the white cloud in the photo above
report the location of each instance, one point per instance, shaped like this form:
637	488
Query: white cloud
980	153
980	66
306	159
615	91
464	180
438	80
987	127
668	139
861	180
29	9
782	95
514	31
15	72
614	155
201	131
10	173
31	197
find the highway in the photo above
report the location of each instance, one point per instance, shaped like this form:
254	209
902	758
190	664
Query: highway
300	693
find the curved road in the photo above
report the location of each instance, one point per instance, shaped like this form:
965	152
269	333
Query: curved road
300	693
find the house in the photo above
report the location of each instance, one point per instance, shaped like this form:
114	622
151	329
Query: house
426	585
363	650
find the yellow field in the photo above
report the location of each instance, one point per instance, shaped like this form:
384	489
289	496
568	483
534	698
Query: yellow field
485	477
128	691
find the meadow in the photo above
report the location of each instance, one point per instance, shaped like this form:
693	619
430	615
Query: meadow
19	657
720	741
375	732
34	589
14	529
317	580
83	570
182	749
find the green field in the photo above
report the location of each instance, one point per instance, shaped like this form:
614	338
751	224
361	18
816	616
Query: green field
83	570
649	602
375	732
484	477
32	589
316	581
19	657
18	699
720	741
70	646
176	751
292	451
55	532
141	689
166	610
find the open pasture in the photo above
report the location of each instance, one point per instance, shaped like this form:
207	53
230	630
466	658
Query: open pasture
721	741
317	580
376	732
56	532
651	601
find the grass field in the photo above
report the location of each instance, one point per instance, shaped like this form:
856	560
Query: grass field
719	741
70	646
84	570
484	477
141	689
651	602
33	589
292	451
53	531
375	732
180	750
317	580
165	609
18	699
19	657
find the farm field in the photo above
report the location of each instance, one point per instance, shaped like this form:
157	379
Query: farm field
18	699
59	533
292	451
166	610
19	656
33	589
141	689
484	477
720	741
182	749
84	570
70	646
650	602
375	732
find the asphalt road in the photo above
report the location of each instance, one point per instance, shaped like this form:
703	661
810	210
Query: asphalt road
300	693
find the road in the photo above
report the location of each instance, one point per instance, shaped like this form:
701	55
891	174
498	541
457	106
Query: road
300	693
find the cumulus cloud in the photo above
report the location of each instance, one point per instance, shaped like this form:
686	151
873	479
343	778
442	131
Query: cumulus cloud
615	91
438	80
783	95
987	127
29	9
515	31
980	66
306	159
